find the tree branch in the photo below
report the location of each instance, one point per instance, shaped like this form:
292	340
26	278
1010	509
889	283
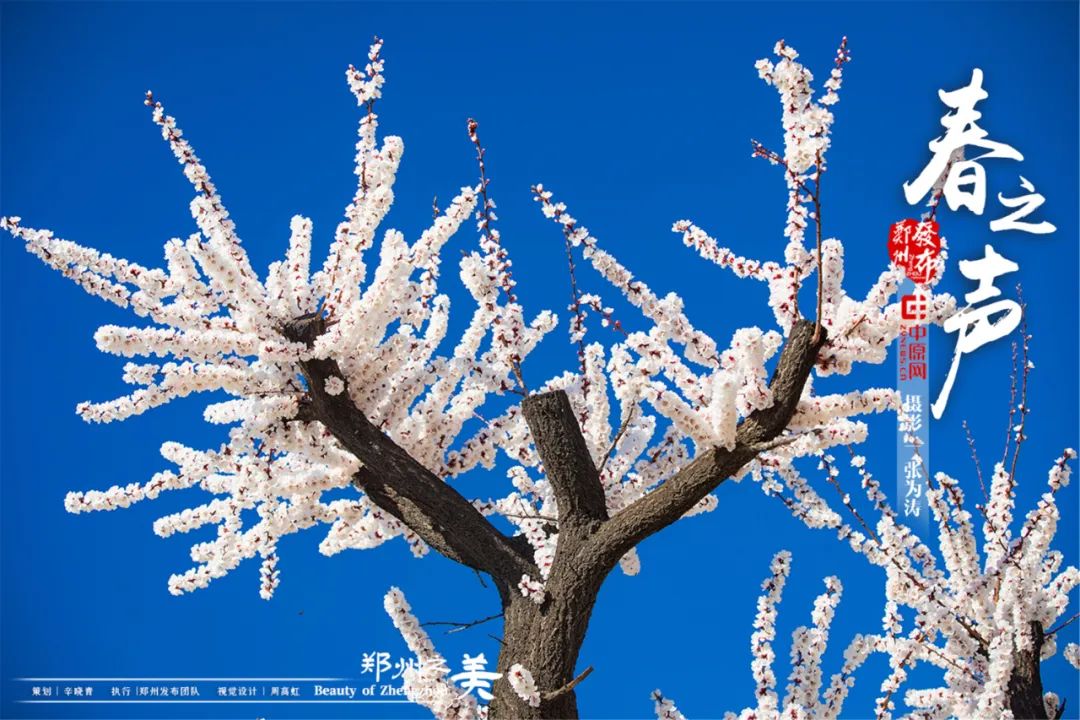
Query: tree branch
568	465
555	694
688	486
459	626
399	484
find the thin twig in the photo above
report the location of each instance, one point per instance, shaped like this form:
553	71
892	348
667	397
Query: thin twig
545	518
845	499
1012	405
1022	408
578	327
458	626
1062	625
781	441
548	696
860	321
975	457
935	198
618	437
817	224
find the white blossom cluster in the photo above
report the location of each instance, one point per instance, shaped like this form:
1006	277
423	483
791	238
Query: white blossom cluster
803	697
216	325
665	708
522	681
1072	654
971	617
532	589
427	683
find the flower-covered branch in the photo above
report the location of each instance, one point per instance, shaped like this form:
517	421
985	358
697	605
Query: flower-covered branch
988	618
335	376
342	376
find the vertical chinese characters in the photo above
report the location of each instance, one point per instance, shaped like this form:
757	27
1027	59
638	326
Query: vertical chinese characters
963	184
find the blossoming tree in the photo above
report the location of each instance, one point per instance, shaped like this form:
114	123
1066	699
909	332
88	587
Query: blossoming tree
343	376
986	623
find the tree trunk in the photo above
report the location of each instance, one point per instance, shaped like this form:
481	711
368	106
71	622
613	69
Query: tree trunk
1025	685
545	639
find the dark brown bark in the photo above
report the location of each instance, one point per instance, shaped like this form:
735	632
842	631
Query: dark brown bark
1025	685
546	639
567	463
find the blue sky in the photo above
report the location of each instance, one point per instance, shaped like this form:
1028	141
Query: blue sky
636	115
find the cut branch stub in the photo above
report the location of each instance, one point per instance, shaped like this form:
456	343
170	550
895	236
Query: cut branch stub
568	465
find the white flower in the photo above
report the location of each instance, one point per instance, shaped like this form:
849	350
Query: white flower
522	681
334	386
532	589
665	708
1072	654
